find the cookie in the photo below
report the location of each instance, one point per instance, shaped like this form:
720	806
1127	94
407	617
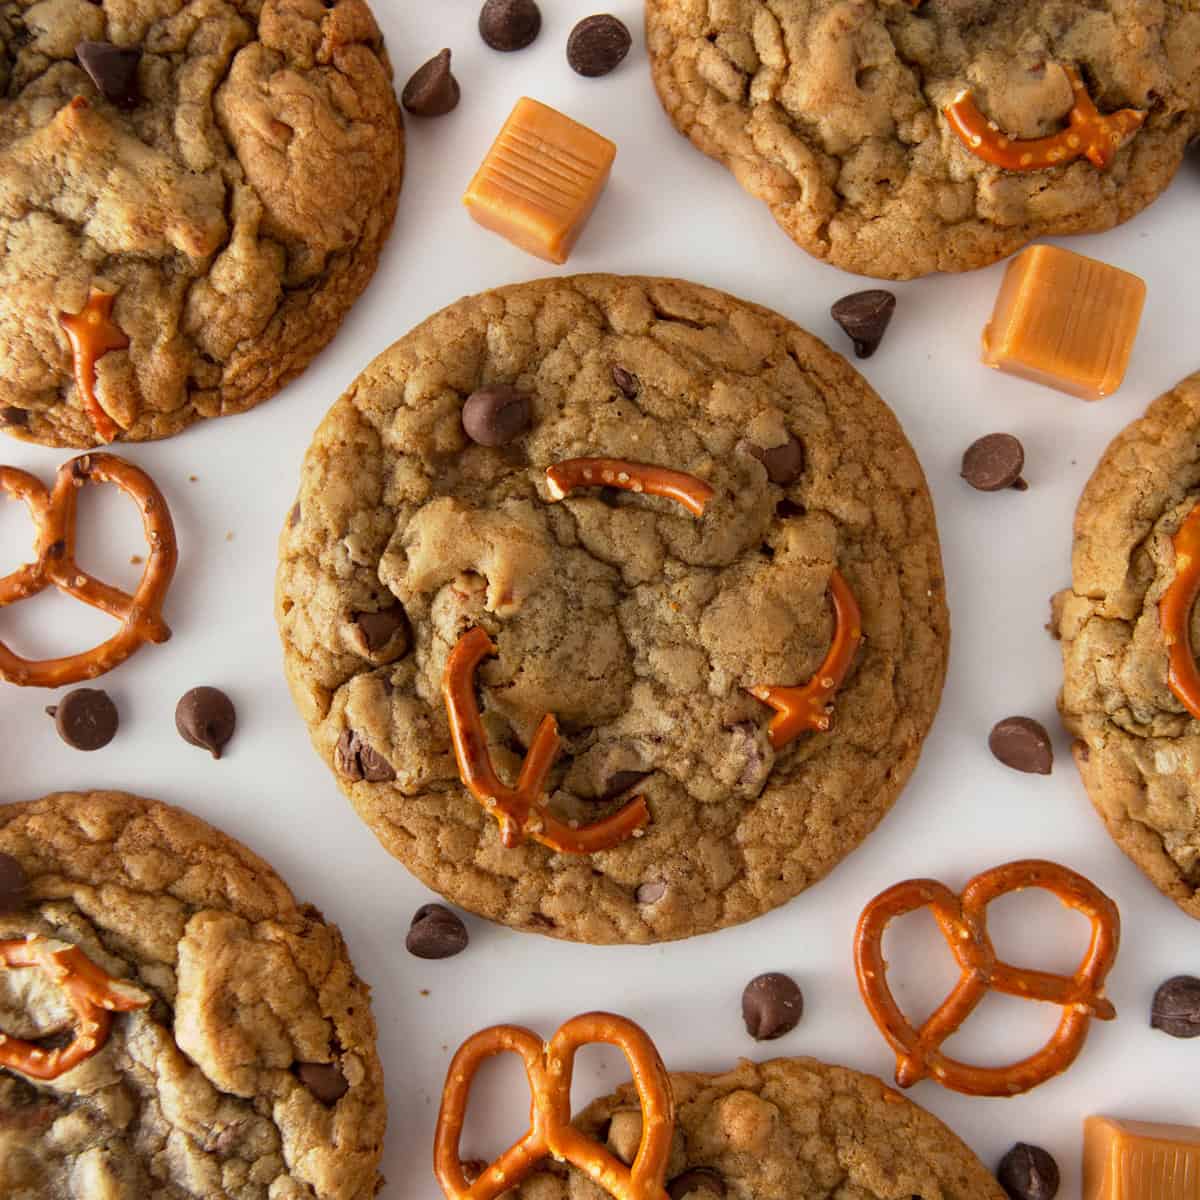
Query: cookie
192	195
242	1062
1137	746
426	520
833	112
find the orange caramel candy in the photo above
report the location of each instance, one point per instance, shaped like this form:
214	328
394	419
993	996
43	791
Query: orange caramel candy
540	180
1066	321
1140	1160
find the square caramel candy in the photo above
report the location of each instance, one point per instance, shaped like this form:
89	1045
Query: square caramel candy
540	180
1066	321
1138	1160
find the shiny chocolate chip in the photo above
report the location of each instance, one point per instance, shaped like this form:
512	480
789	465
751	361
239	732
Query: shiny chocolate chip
784	464
1023	744
651	892
509	24
355	759
436	932
385	632
205	717
628	383
772	1005
114	71
865	316
14	884
496	415
1028	1173
86	719
698	1183
324	1080
598	45
994	462
1176	1007
432	91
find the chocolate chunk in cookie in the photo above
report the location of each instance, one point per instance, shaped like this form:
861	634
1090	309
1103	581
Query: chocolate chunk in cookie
324	1080
784	463
496	415
14	884
356	758
114	71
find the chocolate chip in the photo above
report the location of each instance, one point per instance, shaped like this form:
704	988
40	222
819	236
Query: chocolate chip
621	782
865	316
597	45
698	1183
1028	1173
14	416
994	462
496	415
324	1080
650	893
14	884
629	383
384	631
1176	1007
772	1005
114	71
509	24
783	464
205	717
355	759
432	91
436	932
1023	744
86	719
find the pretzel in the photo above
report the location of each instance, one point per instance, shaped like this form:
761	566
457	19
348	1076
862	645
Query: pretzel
798	709
549	1068
1089	134
520	810
1175	615
92	334
53	515
94	995
564	477
963	921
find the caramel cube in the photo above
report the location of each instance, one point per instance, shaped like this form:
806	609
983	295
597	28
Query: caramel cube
1139	1160
1066	321
540	180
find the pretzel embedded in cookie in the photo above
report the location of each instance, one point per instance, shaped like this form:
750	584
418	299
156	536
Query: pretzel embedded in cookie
93	333
1090	134
94	996
54	515
549	1067
1175	615
963	922
564	477
521	810
800	709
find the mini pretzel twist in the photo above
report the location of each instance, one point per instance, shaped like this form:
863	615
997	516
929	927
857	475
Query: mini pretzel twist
94	995
1175	615
92	334
798	709
549	1069
521	810
54	514
1090	134
564	477
963	923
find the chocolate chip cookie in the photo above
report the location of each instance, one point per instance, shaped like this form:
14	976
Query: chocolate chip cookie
622	502
176	1025
1126	694
896	138
192	195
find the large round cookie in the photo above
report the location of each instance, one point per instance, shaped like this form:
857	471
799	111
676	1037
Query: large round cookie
252	1073
1138	749
790	1129
831	111
638	624
235	212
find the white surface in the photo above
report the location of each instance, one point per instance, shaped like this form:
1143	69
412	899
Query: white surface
668	210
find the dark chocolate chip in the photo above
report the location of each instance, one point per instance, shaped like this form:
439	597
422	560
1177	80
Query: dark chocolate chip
865	316
324	1080
355	759
383	630
14	416
783	464
432	91
1023	744
114	71
205	717
994	462
627	381
699	1183
86	719
772	1005
1176	1007
436	932
650	893
597	45
1028	1173
509	24
496	415
14	884
621	782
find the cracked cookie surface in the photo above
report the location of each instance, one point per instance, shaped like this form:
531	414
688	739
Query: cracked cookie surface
1138	748
831	112
638	624
236	212
201	1094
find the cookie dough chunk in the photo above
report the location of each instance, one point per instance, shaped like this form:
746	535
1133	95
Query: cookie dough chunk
250	1074
638	624
227	195
832	113
1137	748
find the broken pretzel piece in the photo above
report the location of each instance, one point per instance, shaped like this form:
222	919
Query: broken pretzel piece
93	333
564	477
1175	615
